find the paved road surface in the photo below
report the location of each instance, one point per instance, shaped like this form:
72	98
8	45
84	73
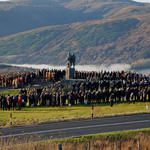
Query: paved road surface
77	128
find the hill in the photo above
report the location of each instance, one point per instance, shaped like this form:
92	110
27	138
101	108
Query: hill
119	35
109	41
6	69
22	15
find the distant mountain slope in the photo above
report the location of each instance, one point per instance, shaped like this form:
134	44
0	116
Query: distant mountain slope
107	41
10	69
97	31
22	15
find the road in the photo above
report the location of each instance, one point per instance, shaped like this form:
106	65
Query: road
77	128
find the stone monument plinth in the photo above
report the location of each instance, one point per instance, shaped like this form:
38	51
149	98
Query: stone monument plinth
70	73
70	70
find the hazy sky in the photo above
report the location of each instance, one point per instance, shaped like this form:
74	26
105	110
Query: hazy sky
147	1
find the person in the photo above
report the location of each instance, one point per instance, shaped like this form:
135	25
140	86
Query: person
1	97
19	102
14	102
4	103
148	92
131	98
8	102
61	99
111	101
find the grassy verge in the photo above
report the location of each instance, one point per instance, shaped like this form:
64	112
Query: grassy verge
103	141
113	136
37	115
9	92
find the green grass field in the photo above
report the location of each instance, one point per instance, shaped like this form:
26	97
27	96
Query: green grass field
10	92
37	115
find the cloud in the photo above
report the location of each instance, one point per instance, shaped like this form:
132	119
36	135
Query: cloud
4	0
142	1
102	67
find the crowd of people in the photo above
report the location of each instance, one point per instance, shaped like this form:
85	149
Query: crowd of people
19	80
94	88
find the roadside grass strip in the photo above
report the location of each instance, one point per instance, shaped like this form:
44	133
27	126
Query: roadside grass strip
107	138
39	115
112	136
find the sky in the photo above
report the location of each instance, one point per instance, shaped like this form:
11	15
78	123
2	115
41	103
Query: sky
146	1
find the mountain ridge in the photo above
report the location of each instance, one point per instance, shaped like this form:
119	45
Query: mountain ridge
78	38
119	33
29	14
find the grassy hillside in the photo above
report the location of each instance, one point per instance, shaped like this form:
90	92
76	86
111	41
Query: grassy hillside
93	42
22	15
10	69
119	35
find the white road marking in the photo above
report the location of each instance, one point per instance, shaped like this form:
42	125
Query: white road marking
74	128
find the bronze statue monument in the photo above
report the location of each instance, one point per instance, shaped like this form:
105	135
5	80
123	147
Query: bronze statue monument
70	70
71	60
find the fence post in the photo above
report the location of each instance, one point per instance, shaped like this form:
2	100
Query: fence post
60	147
92	111
115	145
11	119
88	146
147	107
35	148
138	144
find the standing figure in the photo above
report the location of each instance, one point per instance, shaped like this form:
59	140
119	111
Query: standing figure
70	60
